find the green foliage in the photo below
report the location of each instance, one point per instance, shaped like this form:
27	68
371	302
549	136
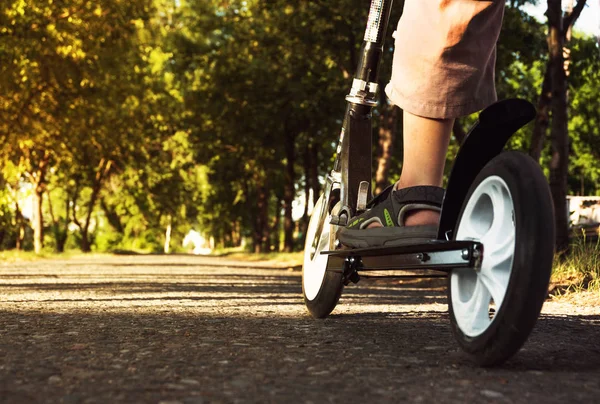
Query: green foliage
130	117
258	76
584	128
85	98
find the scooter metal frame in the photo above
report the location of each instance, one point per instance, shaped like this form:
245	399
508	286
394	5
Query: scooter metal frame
352	172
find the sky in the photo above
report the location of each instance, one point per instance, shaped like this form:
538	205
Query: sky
588	22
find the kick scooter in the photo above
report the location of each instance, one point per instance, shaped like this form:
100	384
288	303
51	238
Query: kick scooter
495	238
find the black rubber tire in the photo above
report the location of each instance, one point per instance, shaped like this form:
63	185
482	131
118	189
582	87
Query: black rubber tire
327	298
331	286
532	263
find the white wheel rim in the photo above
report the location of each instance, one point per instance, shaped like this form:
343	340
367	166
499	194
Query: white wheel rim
489	219
315	264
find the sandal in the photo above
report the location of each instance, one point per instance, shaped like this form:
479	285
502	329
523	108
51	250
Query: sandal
389	209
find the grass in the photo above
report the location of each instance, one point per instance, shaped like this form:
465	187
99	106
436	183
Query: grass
580	270
291	259
16	256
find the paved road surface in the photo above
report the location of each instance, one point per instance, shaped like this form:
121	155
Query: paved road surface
190	330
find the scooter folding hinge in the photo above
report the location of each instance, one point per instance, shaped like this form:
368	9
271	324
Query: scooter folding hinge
363	93
363	196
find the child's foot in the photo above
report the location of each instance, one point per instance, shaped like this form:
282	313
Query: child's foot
396	217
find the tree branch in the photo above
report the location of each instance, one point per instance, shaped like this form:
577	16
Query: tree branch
459	132
570	18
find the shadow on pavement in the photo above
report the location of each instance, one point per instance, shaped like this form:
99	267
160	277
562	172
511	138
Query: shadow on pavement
226	335
281	289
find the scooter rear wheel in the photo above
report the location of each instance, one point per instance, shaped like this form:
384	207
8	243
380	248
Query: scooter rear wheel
509	210
321	289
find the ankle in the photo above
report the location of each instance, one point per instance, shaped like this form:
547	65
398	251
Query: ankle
422	218
401	185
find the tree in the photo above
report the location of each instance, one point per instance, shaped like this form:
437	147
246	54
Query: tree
68	53
558	27
290	78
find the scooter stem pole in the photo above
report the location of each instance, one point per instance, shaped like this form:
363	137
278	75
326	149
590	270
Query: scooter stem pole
354	148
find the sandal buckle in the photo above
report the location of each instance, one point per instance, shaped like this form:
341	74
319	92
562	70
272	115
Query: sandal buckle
363	196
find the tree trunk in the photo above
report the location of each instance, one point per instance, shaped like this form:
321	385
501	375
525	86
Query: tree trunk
266	229
559	129
20	227
459	132
275	229
236	236
260	220
167	246
102	172
558	31
60	243
60	235
303	225
38	219
314	171
387	129
37	177
112	217
227	241
85	229
85	242
307	178
289	192
542	118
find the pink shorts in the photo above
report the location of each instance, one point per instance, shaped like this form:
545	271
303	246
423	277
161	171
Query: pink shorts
445	57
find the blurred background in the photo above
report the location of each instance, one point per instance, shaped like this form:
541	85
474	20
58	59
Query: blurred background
205	125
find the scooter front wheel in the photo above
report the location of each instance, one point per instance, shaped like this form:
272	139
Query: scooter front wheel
509	210
321	289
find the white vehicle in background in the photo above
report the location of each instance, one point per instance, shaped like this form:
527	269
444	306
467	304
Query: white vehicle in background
584	215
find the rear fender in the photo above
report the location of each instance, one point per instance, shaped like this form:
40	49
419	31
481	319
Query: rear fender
486	139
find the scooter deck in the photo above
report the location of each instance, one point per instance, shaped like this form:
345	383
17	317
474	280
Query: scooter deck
434	255
430	246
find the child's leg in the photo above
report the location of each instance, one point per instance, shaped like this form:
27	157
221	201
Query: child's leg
443	68
425	146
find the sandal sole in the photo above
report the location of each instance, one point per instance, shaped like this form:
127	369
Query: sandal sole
387	236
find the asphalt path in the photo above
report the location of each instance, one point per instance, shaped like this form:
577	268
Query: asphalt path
184	329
